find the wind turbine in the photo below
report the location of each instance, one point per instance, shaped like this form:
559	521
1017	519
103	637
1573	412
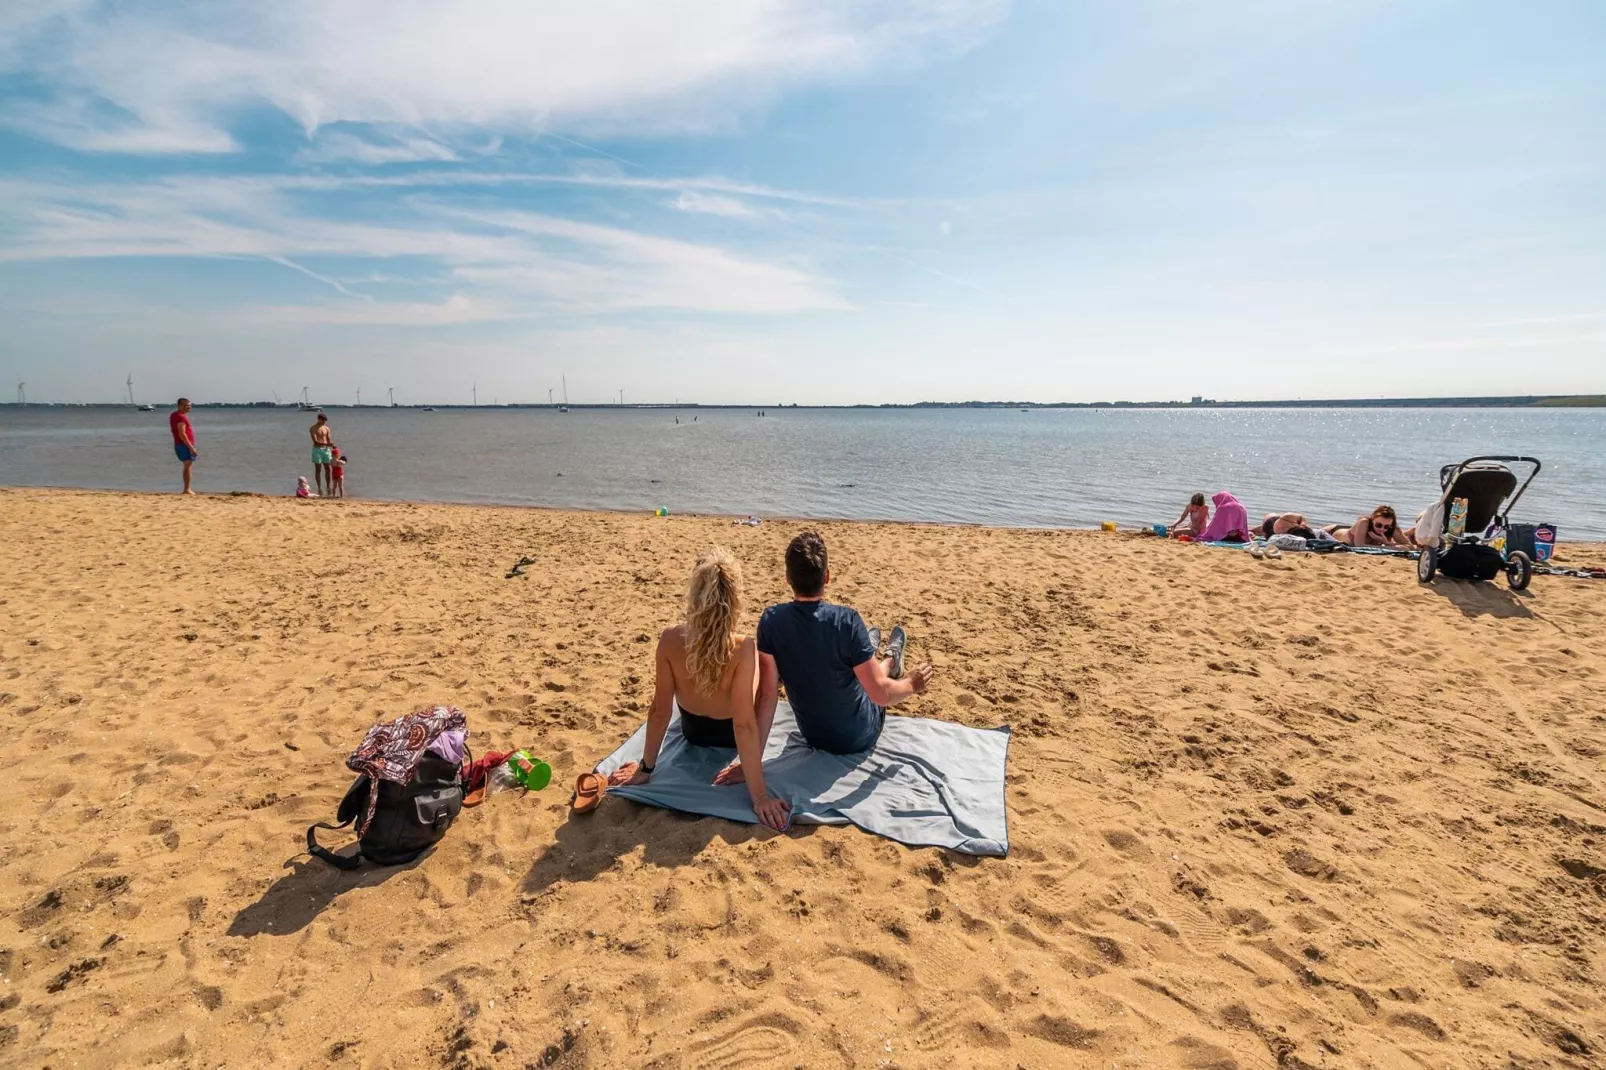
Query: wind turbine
22	394
476	393
392	397
359	397
131	388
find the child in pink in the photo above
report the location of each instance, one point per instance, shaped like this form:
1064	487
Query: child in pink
1195	517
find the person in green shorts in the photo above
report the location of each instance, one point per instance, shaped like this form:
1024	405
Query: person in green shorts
323	454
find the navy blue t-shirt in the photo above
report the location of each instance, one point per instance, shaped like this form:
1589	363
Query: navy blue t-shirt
816	646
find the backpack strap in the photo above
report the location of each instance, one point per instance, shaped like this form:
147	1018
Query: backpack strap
338	861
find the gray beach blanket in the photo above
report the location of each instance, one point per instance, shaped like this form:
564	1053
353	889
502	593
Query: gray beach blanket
925	783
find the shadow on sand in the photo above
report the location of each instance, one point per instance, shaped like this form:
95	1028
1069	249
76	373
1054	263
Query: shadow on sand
1481	599
588	844
298	897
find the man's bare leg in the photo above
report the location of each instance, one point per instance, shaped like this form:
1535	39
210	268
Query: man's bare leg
187	489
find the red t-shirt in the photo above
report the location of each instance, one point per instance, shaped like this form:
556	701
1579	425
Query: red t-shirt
183	433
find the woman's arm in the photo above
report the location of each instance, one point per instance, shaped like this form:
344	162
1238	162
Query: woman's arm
663	698
750	740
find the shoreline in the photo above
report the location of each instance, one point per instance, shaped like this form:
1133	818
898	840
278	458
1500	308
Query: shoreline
1127	532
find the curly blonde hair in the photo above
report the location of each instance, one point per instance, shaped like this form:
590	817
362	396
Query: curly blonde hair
713	602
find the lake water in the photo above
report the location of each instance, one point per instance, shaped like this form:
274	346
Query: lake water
1045	467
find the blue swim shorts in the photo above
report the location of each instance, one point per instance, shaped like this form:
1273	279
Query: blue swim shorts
185	454
323	455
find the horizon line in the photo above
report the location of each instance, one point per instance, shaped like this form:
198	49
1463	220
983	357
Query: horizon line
1492	401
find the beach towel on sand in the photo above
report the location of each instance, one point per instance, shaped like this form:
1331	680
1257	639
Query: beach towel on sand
1229	517
926	783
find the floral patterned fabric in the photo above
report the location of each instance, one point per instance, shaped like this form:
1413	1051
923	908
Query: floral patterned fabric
392	751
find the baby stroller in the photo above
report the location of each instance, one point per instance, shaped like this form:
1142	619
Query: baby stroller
1490	490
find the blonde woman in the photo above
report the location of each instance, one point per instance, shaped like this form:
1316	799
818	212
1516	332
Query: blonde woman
711	673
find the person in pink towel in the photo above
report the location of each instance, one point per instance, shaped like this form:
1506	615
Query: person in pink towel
1230	521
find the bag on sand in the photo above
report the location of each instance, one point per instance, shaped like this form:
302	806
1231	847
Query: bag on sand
404	798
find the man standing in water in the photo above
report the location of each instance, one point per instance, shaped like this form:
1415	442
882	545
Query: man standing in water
323	455
183	438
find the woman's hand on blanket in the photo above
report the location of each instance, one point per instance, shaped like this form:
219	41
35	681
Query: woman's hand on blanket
731	774
627	774
776	813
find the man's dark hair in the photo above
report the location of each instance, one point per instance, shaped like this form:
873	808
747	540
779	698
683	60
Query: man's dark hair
1302	532
806	565
183	401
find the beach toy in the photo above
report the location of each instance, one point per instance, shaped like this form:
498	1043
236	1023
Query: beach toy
1457	525
1107	525
1159	529
660	511
531	774
1184	538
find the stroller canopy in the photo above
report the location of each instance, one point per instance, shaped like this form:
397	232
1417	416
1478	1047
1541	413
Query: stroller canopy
1485	486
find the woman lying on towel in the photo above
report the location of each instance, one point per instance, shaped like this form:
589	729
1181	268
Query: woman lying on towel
1379	529
1286	524
711	673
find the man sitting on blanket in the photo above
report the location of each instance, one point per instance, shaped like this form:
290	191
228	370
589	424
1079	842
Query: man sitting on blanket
827	658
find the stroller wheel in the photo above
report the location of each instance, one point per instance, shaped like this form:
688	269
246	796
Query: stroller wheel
1519	570
1427	564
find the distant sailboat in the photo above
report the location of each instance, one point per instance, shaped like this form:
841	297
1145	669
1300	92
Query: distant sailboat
305	405
137	406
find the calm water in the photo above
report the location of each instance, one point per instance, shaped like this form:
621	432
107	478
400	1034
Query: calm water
1048	467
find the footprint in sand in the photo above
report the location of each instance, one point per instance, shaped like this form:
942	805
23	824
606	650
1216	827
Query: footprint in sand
1200	932
760	1039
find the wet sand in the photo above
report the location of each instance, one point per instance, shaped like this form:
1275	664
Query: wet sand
1294	813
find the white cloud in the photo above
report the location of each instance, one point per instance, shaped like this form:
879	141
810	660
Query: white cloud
696	203
497	259
342	147
153	77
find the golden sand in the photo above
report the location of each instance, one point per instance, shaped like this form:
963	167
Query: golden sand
1296	813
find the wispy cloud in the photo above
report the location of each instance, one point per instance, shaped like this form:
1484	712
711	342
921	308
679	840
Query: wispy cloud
342	147
166	78
493	258
697	203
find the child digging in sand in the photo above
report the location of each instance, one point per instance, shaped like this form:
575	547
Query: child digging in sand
1195	515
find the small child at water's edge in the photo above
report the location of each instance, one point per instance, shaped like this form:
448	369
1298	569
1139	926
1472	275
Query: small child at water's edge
337	474
1195	516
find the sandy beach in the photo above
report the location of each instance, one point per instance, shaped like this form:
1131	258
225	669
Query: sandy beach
1302	813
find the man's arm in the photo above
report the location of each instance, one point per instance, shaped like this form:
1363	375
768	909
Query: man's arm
883	689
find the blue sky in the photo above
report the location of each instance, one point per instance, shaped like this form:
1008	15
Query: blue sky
816	201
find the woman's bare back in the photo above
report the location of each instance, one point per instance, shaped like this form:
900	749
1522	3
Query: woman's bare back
718	707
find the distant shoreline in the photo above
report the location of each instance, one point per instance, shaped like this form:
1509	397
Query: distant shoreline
1522	401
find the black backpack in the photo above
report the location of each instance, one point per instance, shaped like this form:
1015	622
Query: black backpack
408	819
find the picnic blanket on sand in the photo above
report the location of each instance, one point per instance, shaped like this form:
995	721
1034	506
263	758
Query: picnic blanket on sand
926	783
